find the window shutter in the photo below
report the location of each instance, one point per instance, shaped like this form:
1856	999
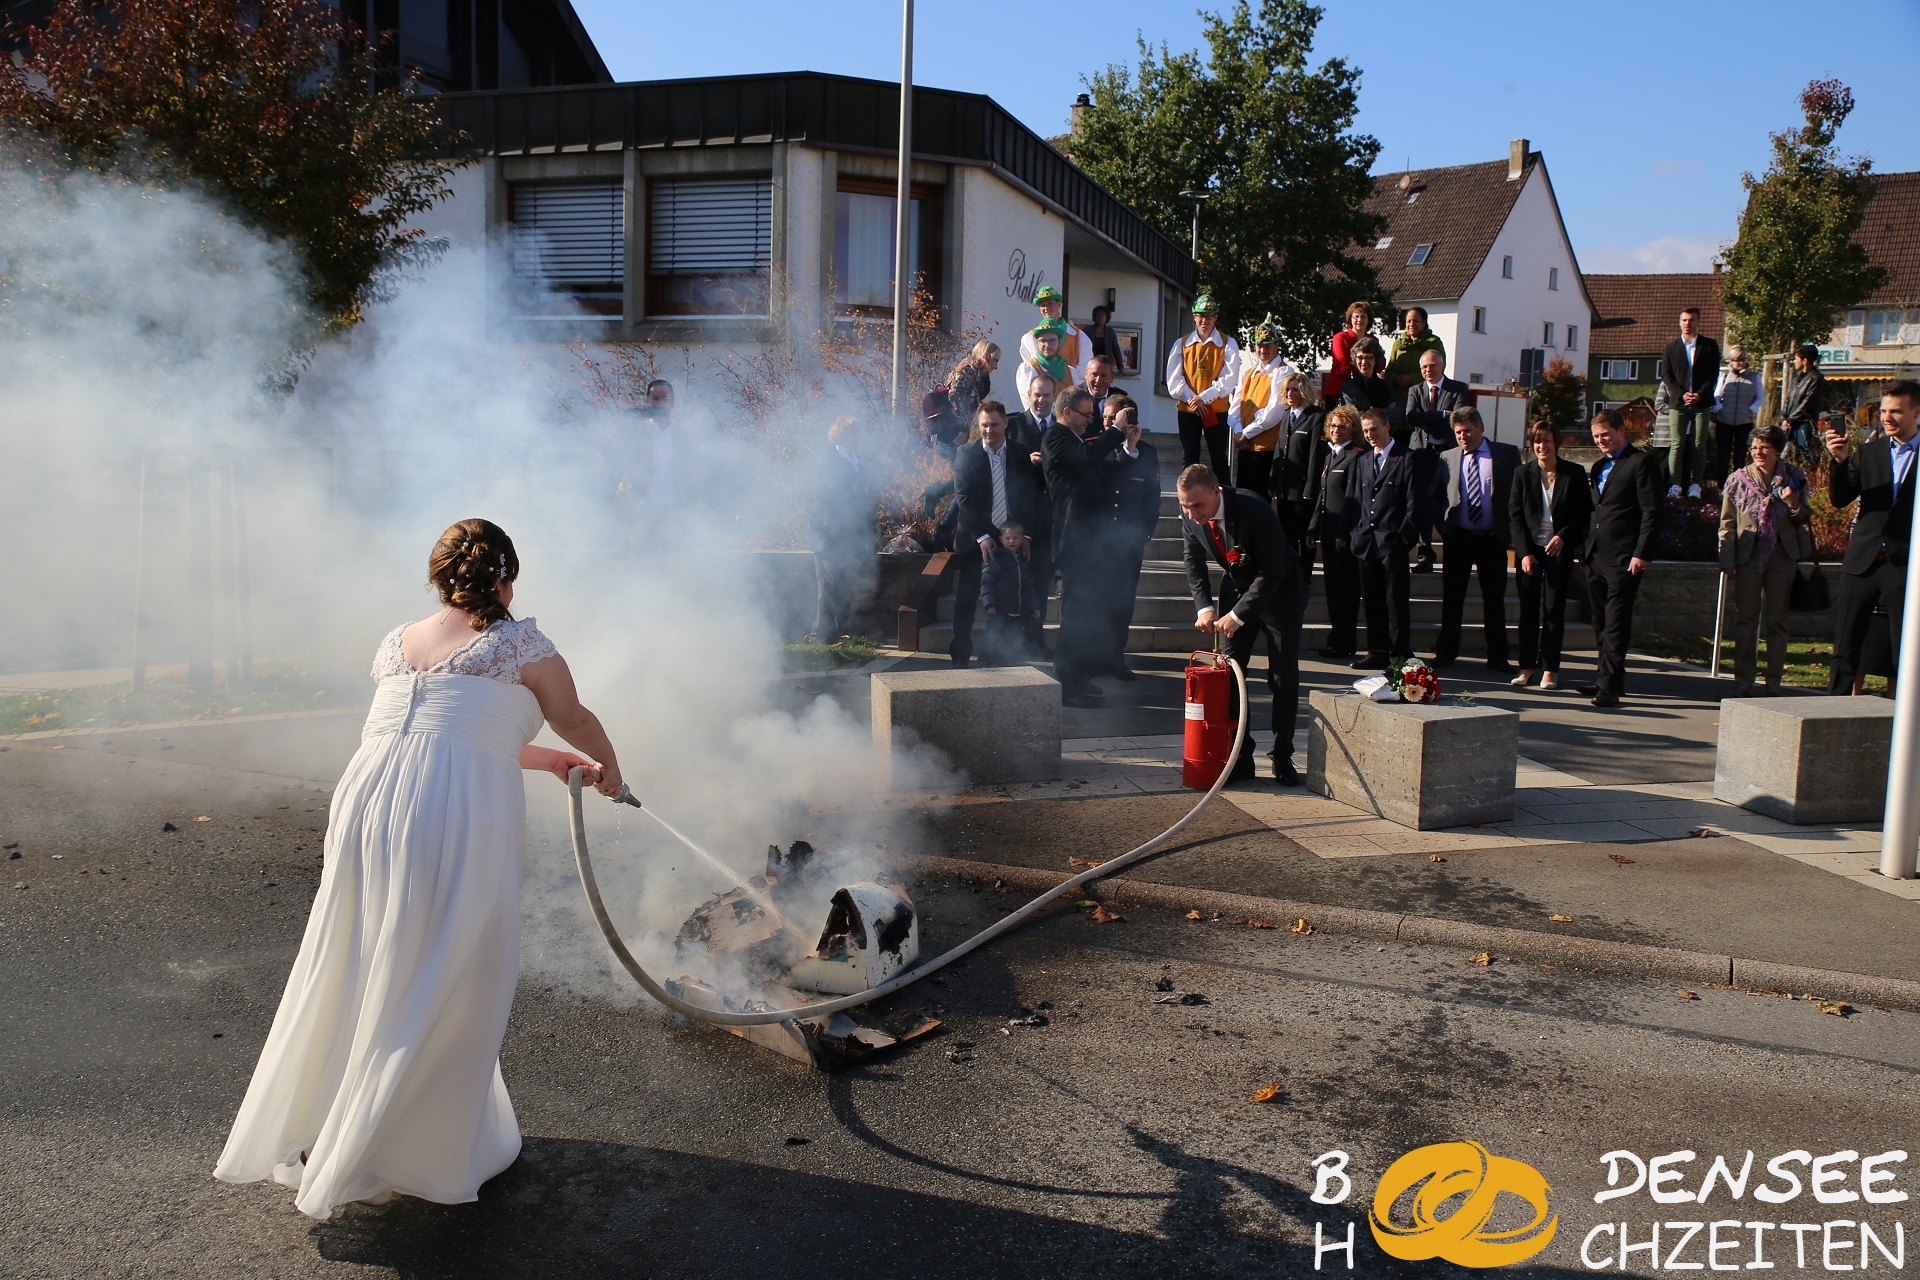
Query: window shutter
714	226
567	235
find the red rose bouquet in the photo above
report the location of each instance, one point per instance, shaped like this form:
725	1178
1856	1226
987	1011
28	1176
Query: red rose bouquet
1414	681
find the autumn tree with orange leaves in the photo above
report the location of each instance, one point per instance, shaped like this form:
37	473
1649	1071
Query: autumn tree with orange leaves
276	108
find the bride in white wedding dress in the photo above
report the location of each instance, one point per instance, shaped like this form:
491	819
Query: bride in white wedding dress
381	1074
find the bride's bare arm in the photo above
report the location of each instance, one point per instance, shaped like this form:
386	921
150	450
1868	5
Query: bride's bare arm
551	682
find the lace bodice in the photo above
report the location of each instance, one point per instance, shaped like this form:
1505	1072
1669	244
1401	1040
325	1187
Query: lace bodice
497	653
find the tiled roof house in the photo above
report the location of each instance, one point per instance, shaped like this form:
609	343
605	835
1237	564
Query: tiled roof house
1483	248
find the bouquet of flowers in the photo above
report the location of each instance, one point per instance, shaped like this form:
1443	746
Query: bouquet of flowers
1414	681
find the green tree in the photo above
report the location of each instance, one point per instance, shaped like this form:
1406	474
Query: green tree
1795	266
277	107
1271	140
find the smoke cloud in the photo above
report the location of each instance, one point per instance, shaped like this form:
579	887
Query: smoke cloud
142	329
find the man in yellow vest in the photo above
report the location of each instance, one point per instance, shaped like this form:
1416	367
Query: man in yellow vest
1074	347
1256	407
1203	369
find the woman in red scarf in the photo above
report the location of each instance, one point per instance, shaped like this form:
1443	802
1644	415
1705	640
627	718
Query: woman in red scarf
1359	323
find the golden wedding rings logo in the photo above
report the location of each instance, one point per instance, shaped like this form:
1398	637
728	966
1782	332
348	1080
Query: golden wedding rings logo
1464	1236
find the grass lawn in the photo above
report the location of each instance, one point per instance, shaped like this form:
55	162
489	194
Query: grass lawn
1807	660
847	651
278	684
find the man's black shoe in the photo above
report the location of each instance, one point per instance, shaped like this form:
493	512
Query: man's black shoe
1587	690
1502	668
1124	674
1285	774
1330	654
1441	664
1606	699
1094	691
1243	770
1423	566
1085	701
1369	662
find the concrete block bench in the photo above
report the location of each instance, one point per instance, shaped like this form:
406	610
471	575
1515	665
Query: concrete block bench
998	724
1420	766
1805	760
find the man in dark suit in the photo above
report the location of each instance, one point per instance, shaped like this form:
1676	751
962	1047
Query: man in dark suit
1027	428
841	531
1474	488
1393	495
1882	476
1430	404
1076	454
1135	480
1626	509
1690	371
1263	589
993	483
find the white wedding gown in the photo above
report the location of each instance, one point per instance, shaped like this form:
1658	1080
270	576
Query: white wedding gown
382	1071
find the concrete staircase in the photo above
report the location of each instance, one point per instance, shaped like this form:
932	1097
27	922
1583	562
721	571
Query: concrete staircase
1163	610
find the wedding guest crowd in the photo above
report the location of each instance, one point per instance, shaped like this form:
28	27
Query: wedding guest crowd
1377	470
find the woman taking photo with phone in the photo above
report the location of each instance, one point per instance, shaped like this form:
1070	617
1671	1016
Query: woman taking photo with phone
1764	521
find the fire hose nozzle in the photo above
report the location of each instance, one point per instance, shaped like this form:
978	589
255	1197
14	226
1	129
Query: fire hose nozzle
626	796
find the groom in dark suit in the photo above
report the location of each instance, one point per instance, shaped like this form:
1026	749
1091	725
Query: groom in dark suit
1626	509
1263	589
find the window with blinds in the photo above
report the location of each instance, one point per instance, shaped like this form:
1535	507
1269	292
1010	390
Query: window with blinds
569	247
863	246
709	246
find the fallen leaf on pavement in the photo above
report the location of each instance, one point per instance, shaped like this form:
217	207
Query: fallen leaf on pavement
1434	857
1561	919
203	818
1266	1093
1838	1008
1621	859
1084	862
1686	995
1256	924
1086	902
1103	916
1480	958
1301	926
1195	915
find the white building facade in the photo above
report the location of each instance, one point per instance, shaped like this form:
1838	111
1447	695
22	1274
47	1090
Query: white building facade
755	213
1483	249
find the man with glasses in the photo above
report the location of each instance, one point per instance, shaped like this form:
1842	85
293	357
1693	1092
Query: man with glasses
1086	548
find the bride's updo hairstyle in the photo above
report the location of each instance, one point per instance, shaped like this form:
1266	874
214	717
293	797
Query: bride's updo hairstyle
467	566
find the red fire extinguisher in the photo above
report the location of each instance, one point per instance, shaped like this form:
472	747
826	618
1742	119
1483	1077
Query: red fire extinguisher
1210	729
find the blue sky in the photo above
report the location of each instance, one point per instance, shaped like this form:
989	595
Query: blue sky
1647	112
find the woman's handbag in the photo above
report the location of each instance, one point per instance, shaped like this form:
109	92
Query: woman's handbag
1810	592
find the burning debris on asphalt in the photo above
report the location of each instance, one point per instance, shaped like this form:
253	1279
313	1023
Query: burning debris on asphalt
745	938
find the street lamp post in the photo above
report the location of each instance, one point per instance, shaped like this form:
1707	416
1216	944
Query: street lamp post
903	214
1197	197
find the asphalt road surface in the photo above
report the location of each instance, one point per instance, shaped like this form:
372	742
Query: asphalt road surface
1119	1138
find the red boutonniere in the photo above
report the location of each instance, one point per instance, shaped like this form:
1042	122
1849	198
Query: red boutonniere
1233	555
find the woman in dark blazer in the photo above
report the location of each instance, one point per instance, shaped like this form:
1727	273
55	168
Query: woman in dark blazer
1552	507
1335	507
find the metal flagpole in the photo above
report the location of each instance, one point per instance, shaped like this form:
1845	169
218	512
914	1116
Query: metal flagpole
1900	832
903	214
1719	624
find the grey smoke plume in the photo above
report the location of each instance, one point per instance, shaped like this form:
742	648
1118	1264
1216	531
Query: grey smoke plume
143	325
